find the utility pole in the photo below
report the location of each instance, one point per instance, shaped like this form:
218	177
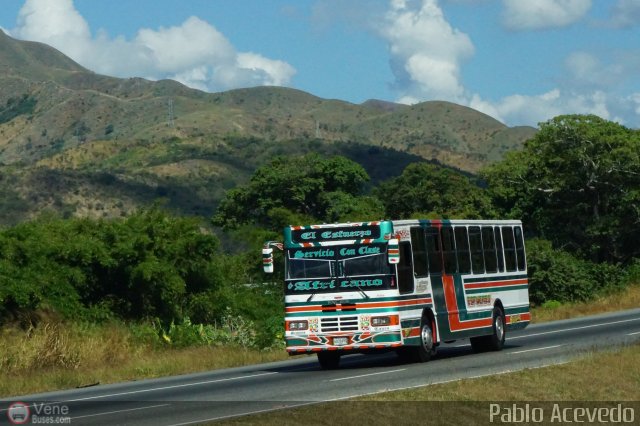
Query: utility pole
170	112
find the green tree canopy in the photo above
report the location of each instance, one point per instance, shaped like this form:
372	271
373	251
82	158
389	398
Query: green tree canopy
312	186
427	190
576	183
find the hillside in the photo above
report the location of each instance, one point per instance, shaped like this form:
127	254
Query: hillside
86	144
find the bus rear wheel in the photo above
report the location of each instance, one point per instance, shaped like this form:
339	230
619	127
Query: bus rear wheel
329	360
494	341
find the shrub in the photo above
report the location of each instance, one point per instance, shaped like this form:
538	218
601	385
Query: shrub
559	276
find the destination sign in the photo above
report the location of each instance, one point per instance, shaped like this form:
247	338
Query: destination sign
342	252
335	234
335	285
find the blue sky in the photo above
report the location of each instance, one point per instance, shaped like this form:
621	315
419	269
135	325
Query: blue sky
520	61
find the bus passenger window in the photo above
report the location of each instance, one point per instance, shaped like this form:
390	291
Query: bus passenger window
419	252
520	248
477	257
509	248
434	250
500	253
489	249
449	251
462	250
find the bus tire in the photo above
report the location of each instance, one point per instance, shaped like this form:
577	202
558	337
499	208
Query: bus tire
329	360
426	349
495	342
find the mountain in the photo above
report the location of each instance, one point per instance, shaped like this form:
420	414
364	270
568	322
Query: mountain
87	144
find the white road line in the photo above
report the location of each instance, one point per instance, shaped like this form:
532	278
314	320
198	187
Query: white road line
633	334
206	382
366	375
442	382
573	328
120	411
536	349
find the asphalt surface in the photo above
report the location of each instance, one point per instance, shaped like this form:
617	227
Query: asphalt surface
220	394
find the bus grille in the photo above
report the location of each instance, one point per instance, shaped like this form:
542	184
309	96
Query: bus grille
339	324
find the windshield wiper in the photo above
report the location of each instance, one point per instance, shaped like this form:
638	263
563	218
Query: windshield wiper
366	296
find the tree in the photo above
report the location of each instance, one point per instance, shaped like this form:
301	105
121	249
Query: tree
298	185
427	190
576	183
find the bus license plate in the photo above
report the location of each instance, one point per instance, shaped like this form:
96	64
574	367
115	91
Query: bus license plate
340	341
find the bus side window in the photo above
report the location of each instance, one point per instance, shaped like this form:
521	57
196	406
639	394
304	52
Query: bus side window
509	248
477	257
405	268
434	250
462	250
418	244
489	249
449	250
500	253
520	248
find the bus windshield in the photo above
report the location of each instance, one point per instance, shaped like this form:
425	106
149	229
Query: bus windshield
338	268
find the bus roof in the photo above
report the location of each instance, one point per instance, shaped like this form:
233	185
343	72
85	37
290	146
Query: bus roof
366	232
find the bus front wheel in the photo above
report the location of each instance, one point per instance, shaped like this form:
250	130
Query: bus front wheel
426	349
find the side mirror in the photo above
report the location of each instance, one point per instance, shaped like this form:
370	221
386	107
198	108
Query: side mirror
393	251
267	260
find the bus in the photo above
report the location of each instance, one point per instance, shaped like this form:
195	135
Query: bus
403	285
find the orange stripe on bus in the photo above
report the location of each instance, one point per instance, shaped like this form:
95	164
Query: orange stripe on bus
364	305
496	283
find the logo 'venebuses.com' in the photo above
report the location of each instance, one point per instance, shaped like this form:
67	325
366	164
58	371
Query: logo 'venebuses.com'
18	413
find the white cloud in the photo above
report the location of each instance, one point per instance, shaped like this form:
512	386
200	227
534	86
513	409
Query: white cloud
427	54
194	53
528	110
625	13
635	98
541	14
426	51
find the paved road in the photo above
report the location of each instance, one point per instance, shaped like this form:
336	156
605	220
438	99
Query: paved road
195	398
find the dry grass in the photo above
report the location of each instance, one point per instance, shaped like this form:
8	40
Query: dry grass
629	298
56	356
59	356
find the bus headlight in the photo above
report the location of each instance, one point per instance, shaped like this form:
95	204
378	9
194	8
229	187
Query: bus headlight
297	325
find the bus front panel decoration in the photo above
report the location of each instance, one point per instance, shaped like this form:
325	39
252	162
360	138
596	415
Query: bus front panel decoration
404	285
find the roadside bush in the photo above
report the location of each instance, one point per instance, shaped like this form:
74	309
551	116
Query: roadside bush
232	329
555	275
632	273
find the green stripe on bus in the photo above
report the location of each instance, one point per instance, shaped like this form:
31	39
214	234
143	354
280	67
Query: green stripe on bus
516	310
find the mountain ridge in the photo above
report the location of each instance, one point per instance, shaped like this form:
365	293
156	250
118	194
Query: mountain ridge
71	139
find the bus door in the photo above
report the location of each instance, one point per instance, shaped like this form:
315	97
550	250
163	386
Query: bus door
440	251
